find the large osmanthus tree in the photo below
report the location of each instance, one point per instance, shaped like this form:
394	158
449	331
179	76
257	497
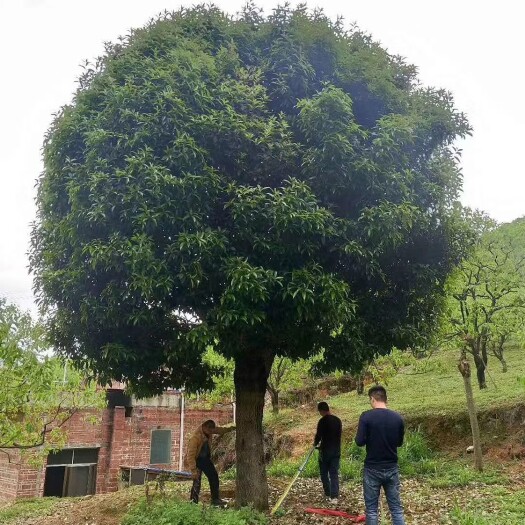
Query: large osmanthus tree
266	185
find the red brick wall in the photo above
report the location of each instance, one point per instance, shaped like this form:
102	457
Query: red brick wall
30	481
122	441
131	440
9	467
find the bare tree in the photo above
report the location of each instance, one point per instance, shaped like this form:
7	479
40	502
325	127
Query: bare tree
464	369
487	292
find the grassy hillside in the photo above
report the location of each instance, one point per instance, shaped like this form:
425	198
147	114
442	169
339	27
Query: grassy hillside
433	388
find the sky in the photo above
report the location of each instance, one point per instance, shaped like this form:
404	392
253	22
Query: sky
471	48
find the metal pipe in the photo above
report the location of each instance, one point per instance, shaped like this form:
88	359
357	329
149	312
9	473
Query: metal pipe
234	407
181	434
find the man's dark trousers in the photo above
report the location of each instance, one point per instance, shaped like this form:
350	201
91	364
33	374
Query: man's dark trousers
329	469
205	466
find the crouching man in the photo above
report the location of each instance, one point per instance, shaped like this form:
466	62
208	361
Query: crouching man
198	460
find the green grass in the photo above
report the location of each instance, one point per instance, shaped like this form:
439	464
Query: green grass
502	507
434	388
460	517
229	474
415	459
456	474
175	512
26	508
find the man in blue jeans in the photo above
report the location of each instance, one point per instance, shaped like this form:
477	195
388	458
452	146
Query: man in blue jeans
328	440
382	431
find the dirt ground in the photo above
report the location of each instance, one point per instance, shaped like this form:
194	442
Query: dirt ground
424	504
105	509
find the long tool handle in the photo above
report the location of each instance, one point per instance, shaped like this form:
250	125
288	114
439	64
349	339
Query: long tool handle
290	485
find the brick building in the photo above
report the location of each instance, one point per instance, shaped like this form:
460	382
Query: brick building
128	433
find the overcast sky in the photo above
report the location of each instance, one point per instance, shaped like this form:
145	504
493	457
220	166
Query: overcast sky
475	49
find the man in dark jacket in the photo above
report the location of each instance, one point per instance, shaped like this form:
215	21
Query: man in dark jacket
328	440
382	431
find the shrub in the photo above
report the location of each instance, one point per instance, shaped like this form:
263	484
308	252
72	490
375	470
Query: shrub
174	512
415	447
415	458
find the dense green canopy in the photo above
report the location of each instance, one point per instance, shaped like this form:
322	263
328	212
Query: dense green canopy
275	179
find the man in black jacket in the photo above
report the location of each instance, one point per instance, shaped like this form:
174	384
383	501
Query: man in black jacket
328	440
382	431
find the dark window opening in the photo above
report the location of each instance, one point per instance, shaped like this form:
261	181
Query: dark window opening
138	477
70	480
61	457
71	472
117	398
54	483
85	455
73	456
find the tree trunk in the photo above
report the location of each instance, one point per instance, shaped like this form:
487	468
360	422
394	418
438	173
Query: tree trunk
274	394
251	375
274	397
501	359
464	369
480	370
484	353
498	350
360	384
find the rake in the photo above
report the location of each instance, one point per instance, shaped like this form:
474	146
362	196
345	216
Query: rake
290	485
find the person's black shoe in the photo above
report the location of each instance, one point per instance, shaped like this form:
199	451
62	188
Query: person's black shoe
219	503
